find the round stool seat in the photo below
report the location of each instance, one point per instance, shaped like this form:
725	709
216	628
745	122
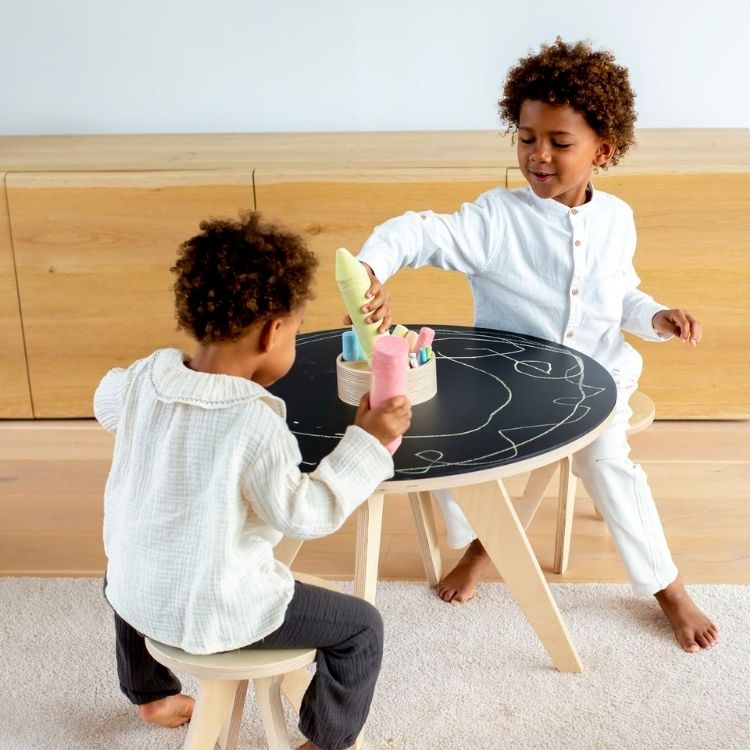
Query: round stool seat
223	680
644	411
242	664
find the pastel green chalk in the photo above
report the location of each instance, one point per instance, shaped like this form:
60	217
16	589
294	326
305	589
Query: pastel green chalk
353	283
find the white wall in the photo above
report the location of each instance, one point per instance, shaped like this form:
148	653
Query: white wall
138	66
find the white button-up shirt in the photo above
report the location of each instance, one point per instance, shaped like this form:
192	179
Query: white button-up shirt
536	267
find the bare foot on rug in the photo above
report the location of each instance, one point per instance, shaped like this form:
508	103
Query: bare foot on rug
692	628
460	584
172	711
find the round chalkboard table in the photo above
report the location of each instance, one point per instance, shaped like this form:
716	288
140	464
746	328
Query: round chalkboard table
506	404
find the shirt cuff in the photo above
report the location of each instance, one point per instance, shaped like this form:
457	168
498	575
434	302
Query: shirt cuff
370	442
649	332
375	255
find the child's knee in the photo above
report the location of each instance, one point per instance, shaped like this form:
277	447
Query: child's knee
372	627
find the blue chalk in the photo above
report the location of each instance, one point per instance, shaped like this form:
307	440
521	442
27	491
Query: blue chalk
350	347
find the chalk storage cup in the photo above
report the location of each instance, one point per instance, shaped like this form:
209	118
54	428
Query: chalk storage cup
353	380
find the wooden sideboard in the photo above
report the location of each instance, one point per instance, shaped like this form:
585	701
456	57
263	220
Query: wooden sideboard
89	227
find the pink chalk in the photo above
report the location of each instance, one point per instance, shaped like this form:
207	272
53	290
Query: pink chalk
425	338
390	364
411	340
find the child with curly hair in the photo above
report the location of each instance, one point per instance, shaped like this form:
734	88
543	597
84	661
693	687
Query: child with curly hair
205	482
555	260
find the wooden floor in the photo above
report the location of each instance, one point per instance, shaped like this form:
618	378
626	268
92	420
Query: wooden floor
52	476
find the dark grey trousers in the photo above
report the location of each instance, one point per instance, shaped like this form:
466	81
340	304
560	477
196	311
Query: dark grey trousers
346	631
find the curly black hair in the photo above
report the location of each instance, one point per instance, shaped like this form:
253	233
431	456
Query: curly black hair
235	274
588	80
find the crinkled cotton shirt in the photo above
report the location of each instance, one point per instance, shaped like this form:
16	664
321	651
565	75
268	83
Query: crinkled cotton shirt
204	482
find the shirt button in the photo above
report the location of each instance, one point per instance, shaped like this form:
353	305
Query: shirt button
424	218
574	292
574	211
569	335
578	243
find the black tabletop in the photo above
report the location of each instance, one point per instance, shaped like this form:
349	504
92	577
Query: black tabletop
502	398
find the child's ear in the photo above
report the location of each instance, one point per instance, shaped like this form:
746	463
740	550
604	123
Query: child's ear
604	153
268	333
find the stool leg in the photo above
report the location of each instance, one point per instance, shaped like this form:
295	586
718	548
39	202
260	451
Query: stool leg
424	520
211	710
268	697
286	550
294	686
231	731
565	508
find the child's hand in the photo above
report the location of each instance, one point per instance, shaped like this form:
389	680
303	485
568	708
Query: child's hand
378	305
387	421
678	323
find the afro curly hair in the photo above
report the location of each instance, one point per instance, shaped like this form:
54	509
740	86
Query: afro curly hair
586	79
235	274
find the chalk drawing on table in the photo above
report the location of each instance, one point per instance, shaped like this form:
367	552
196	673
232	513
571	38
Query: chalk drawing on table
474	351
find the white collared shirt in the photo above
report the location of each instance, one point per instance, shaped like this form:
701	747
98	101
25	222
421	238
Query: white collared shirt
204	483
535	266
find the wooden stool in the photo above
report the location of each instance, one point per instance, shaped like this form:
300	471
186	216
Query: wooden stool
223	682
526	506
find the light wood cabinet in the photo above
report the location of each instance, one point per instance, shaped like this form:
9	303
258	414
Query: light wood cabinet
93	253
93	223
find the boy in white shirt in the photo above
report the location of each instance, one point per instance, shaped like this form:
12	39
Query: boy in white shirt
555	260
205	482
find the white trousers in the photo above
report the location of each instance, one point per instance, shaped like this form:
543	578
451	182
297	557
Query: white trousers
620	491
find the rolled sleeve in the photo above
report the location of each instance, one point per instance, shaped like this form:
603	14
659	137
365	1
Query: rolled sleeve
307	506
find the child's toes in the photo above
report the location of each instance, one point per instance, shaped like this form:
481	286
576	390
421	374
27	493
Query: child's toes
687	640
445	592
702	641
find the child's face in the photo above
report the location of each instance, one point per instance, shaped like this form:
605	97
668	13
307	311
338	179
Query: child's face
557	151
281	355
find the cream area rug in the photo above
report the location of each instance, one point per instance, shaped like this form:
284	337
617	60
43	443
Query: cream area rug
453	677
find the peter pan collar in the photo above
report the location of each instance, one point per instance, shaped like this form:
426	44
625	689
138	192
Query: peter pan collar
174	382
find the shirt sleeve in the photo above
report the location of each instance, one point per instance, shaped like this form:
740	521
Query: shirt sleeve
307	506
638	308
108	399
463	241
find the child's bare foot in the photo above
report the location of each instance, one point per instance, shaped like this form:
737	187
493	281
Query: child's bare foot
309	746
171	711
692	628
461	583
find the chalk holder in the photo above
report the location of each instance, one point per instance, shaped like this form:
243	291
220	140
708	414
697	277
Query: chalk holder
353	380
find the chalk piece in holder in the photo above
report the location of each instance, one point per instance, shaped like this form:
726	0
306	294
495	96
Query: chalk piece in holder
353	380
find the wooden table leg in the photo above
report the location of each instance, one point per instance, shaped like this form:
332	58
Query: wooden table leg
369	524
490	512
424	521
526	506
